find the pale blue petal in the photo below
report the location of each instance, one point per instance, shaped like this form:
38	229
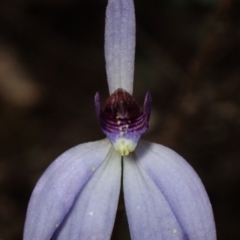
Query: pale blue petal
120	44
58	187
181	187
93	214
149	215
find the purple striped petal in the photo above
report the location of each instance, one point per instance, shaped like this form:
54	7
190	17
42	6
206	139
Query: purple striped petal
59	186
93	214
182	189
122	121
120	44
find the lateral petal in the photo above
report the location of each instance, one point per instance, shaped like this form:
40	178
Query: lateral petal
58	187
120	44
149	215
181	187
93	214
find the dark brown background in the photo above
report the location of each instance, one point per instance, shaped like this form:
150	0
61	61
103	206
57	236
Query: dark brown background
52	63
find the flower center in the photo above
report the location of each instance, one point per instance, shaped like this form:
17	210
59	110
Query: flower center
122	121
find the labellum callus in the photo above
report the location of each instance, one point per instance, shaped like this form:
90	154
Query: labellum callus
122	121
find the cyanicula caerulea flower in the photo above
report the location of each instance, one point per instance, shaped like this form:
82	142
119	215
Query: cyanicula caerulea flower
77	196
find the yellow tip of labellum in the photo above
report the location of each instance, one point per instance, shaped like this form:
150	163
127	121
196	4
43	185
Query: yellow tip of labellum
124	146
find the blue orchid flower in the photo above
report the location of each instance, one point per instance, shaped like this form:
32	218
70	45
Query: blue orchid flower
77	196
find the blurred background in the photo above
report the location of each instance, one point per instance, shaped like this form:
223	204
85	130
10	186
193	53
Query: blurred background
52	64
